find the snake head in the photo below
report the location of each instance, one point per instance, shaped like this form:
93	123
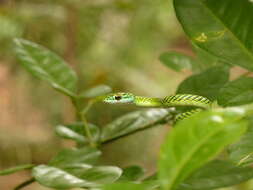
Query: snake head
119	98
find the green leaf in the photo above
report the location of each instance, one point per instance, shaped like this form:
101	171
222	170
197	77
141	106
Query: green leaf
16	169
132	122
176	61
217	174
96	91
76	132
197	140
242	151
125	186
47	66
70	156
88	177
132	173
206	84
206	60
102	174
237	92
222	28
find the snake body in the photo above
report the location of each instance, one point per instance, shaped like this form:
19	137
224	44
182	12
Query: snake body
189	100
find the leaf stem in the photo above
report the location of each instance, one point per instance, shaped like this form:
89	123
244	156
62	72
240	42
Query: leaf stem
25	183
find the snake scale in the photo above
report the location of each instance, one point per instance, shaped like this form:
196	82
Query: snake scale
189	100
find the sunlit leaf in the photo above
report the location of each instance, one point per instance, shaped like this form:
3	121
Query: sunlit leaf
96	91
241	152
70	156
87	177
217	174
16	169
195	141
76	132
237	92
176	61
222	28
207	83
132	122
47	66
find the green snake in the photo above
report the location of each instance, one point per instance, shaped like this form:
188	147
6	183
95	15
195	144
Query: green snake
189	100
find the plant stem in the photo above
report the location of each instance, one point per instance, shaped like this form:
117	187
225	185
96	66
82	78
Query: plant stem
81	115
25	183
87	107
87	130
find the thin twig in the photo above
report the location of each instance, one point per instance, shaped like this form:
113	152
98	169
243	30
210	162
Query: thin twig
158	123
87	130
81	116
25	183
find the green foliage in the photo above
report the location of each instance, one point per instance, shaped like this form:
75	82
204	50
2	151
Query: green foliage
47	66
75	156
217	174
237	92
208	25
131	122
16	169
241	152
207	83
96	91
196	141
176	61
188	159
132	173
75	132
78	175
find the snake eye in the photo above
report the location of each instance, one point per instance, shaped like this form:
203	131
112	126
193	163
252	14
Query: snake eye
117	97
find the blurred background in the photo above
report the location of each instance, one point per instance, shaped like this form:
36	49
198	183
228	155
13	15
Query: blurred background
112	42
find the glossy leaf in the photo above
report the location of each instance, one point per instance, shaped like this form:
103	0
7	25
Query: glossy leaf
96	91
217	174
195	141
76	132
132	122
223	28
207	83
70	156
16	169
47	66
132	173
176	61
237	92
88	177
125	186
